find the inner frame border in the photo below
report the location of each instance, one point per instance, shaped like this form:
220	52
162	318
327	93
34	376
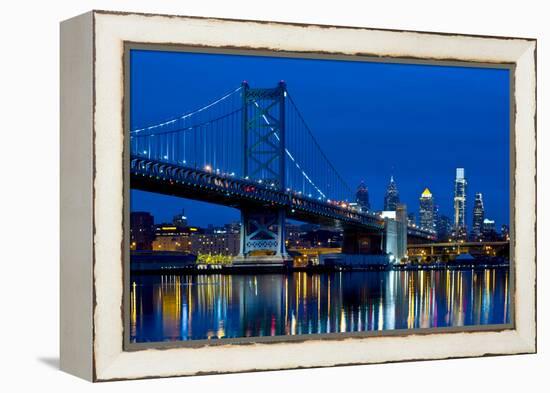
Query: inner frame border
312	55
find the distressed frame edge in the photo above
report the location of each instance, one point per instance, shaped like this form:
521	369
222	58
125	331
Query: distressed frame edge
305	24
76	207
526	132
528	340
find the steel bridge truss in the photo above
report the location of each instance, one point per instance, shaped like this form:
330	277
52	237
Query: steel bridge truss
244	192
264	134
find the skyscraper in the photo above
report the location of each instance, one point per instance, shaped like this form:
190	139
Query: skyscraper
427	210
391	199
180	219
436	215
444	228
460	204
504	232
142	231
362	197
479	215
488	230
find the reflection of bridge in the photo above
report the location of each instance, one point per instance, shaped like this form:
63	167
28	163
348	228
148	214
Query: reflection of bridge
251	149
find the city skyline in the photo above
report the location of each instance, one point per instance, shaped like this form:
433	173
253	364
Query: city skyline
316	167
414	114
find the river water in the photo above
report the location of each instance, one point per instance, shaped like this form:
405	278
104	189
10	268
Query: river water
214	306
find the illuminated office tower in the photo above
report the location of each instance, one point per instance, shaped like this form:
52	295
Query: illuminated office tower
391	199
362	197
460	204
444	228
427	219
488	230
479	215
142	231
180	219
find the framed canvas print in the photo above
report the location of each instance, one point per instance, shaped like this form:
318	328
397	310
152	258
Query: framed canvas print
245	195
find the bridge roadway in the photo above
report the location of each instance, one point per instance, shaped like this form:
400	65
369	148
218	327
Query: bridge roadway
224	189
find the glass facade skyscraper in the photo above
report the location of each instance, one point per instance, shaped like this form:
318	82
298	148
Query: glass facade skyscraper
427	212
391	199
362	197
180	219
488	230
460	204
444	227
479	215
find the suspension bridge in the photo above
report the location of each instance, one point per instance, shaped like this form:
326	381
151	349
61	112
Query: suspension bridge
252	149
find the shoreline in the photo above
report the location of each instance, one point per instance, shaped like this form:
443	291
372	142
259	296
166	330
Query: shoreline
217	269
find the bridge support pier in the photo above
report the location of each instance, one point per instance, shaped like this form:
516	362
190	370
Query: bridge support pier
262	242
358	241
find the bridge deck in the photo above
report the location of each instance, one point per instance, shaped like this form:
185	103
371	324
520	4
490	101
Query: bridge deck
225	190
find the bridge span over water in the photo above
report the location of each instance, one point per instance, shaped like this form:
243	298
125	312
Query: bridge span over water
251	149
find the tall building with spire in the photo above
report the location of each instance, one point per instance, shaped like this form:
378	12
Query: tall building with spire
479	216
362	197
427	210
460	204
391	199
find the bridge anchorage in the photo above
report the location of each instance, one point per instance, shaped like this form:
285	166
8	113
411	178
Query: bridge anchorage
251	149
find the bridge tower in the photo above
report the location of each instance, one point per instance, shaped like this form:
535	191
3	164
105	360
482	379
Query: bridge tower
263	138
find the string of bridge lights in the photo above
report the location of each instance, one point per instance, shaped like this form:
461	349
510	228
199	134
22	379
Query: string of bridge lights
290	155
264	117
186	115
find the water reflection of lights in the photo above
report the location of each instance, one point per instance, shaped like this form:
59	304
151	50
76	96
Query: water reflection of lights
342	321
221	306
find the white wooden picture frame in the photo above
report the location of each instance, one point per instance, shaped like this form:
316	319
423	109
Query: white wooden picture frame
92	194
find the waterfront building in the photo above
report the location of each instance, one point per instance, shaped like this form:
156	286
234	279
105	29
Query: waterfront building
362	197
180	219
444	228
141	230
172	243
233	227
293	236
391	199
427	219
479	216
217	241
411	219
169	237
460	229
321	238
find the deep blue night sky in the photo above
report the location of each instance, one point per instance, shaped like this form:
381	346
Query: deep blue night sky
415	122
